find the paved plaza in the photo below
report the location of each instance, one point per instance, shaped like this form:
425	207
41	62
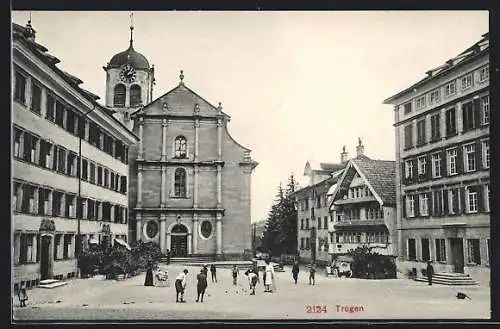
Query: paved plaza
332	298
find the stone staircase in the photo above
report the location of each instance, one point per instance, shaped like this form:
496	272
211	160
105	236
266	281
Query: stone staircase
51	284
450	279
191	260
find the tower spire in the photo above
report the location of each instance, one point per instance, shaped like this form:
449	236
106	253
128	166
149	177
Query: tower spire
131	29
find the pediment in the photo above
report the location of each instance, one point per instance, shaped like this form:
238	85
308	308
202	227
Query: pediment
180	101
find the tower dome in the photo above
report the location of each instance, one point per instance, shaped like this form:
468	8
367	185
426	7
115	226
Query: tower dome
129	56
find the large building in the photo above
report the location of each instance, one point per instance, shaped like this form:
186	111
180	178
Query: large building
443	163
53	120
312	209
363	206
190	180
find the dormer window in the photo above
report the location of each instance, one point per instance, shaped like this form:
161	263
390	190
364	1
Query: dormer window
180	147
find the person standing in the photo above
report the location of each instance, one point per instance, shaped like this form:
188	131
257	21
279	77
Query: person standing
213	271
252	280
149	282
295	271
268	277
205	269
22	295
168	256
202	284
180	286
430	272
235	272
312	272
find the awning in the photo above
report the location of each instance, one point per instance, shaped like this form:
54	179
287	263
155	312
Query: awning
123	243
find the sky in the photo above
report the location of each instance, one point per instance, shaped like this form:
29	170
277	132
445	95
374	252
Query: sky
297	85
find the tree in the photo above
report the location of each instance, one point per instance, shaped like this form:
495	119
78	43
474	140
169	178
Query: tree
280	234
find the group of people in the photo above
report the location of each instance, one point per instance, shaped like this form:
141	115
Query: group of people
252	274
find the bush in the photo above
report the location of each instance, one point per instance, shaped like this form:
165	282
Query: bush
145	255
371	265
89	260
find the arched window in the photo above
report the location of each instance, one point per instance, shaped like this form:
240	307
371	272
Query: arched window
180	182
180	147
135	95
119	96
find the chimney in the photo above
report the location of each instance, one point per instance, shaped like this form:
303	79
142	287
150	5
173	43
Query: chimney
360	149
343	155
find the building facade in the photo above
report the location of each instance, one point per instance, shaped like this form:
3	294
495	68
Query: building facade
442	165
313	217
190	186
363	206
55	121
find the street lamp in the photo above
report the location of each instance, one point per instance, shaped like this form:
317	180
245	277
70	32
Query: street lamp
79	196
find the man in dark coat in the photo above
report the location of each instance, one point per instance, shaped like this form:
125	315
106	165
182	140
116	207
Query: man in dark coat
430	272
202	284
295	271
213	271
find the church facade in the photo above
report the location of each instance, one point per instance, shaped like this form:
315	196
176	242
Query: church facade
190	181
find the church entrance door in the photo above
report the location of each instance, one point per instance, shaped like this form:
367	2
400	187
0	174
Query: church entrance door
178	243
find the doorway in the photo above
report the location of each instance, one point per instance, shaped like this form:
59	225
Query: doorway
178	242
45	259
457	254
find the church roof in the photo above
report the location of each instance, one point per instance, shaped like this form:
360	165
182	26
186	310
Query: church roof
129	56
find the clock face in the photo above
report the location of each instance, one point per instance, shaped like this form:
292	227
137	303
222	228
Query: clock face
127	73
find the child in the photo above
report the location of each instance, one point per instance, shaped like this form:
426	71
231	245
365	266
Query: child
202	284
252	280
23	296
213	271
235	274
180	286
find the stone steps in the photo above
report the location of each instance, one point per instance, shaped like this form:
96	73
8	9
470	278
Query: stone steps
450	279
51	284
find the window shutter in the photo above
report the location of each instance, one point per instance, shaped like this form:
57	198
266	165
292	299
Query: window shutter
415	170
479	155
417	205
428	167
403	173
464	119
480	196
445	202
444	168
462	200
460	159
477	112
404	206
430	203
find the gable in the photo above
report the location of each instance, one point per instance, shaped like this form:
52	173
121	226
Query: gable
181	102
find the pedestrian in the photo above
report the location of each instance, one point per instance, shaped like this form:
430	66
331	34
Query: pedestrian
202	284
149	282
168	256
252	280
235	272
22	295
312	272
430	272
213	272
268	277
180	286
205	269
295	271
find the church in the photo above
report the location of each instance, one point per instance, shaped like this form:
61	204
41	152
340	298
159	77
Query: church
190	180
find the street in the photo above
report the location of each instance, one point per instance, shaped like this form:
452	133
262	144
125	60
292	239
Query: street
330	298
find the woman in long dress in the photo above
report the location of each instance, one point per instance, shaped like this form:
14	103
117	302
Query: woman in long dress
149	277
268	277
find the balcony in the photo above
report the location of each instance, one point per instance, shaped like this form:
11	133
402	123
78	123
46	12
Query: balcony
370	198
357	223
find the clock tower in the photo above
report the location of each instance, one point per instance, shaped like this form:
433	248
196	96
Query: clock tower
129	83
